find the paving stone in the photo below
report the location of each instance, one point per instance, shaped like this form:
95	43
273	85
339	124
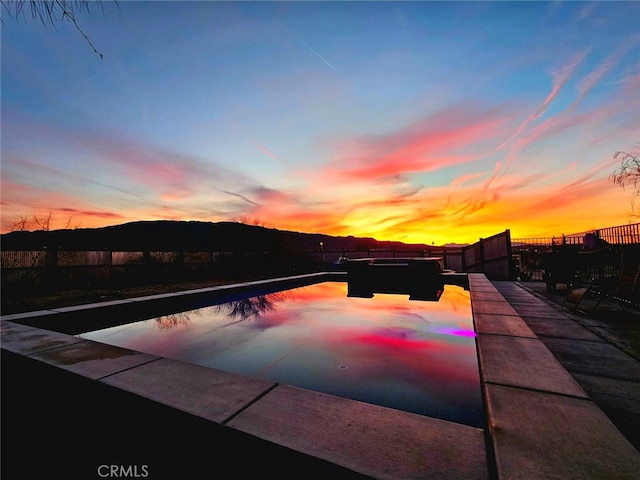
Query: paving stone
523	362
477	277
619	400
627	339
526	301
483	288
17	317
583	320
506	285
8	328
516	293
206	392
538	311
92	359
542	435
497	308
376	441
480	283
502	325
615	396
611	386
512	290
487	295
559	327
36	340
594	358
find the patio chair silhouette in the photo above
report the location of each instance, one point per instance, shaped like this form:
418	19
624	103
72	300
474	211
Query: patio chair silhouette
622	288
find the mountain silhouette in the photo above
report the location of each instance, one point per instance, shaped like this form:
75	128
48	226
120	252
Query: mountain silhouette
167	235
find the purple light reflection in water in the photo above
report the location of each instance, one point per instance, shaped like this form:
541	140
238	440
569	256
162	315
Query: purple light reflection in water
410	355
461	333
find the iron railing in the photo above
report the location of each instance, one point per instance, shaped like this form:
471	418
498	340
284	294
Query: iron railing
618	235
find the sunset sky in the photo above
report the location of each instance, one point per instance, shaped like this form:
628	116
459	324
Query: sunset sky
429	122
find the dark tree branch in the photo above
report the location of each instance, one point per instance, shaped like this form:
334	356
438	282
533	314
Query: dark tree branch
50	12
627	175
69	14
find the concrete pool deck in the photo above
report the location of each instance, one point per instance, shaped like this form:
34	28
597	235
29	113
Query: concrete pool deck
541	421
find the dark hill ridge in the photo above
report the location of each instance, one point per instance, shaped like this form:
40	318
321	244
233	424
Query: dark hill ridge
191	236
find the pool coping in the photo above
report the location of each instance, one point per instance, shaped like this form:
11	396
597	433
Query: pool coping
540	422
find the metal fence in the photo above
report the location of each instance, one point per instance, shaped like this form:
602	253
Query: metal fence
491	256
621	235
618	235
528	252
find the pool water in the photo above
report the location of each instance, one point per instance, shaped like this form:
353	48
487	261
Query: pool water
415	356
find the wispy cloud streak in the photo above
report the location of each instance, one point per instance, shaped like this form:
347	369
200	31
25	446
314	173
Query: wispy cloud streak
305	44
239	196
559	81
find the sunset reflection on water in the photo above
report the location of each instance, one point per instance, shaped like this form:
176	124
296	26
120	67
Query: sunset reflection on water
416	356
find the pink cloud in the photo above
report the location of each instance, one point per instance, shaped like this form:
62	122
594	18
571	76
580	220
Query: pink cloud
586	11
264	150
558	125
443	140
631	84
90	213
270	154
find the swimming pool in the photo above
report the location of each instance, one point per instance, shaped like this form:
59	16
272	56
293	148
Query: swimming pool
415	356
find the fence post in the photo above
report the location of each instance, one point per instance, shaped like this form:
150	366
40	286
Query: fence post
463	264
146	265
51	267
109	265
180	268
511	268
